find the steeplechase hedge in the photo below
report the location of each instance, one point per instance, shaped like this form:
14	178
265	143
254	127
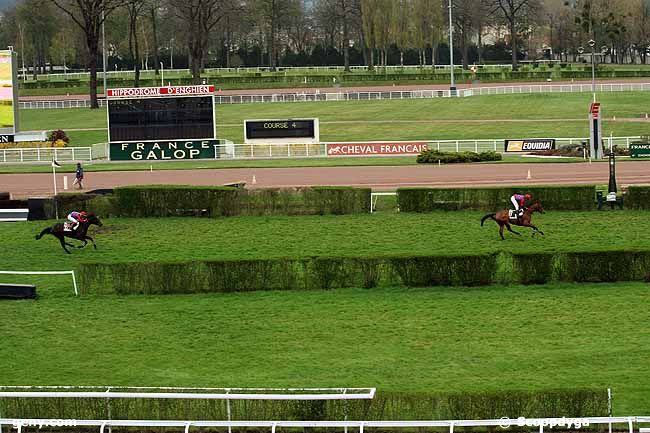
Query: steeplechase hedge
322	273
494	199
214	201
638	197
385	406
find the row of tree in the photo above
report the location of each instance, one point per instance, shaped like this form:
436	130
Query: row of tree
231	33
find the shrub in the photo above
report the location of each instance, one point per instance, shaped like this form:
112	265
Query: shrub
493	199
638	197
433	156
58	135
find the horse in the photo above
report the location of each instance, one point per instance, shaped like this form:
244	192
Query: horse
503	219
80	234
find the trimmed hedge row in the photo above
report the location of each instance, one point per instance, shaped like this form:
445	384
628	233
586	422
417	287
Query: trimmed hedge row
174	200
321	273
494	199
385	406
638	197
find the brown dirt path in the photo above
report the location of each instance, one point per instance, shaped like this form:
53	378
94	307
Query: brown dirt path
378	178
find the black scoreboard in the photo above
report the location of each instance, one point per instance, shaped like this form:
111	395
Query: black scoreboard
187	117
277	129
161	113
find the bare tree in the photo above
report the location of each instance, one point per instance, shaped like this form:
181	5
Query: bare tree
369	8
200	18
135	8
464	25
514	13
89	16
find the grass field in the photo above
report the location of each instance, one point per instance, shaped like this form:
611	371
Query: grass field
433	340
430	340
383	233
489	117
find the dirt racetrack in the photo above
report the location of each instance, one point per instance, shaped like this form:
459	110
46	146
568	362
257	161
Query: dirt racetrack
377	178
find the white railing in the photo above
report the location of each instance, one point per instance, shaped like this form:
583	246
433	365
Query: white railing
184	394
556	88
317	96
537	423
71	273
45	154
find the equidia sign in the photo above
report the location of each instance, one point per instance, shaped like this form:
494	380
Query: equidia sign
398	148
529	145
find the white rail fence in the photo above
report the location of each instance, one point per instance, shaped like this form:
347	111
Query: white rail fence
71	273
317	96
537	423
46	154
99	151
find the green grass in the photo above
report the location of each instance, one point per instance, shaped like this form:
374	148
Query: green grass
380	234
423	119
429	340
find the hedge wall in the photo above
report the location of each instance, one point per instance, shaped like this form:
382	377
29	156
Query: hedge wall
215	201
638	197
319	273
494	199
385	406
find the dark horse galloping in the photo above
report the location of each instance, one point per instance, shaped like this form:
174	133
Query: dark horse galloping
502	218
80	234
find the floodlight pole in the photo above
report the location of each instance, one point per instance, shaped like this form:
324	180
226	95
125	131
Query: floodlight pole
162	73
593	70
452	87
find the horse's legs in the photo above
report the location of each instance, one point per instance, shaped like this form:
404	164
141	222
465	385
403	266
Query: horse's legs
511	230
63	244
501	232
536	230
91	240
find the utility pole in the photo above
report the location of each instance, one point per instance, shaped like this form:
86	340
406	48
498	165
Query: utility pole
452	87
104	51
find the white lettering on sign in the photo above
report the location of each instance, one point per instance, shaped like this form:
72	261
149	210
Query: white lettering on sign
160	91
376	148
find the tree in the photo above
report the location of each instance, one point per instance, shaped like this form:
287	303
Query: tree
427	27
153	11
38	23
89	16
199	18
369	8
464	19
401	26
272	16
514	13
134	8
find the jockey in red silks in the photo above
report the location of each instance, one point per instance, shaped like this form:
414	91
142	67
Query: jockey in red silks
77	218
518	201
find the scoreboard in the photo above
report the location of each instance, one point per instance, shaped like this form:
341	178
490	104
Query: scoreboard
281	131
161	113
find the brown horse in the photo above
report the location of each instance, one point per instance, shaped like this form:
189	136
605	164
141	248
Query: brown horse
81	234
502	218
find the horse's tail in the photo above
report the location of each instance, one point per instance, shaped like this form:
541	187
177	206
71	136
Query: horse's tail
44	232
490	215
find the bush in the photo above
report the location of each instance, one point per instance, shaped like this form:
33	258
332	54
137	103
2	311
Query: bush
638	197
162	200
433	156
493	199
58	135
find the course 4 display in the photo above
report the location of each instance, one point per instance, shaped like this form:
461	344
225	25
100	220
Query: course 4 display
529	145
281	131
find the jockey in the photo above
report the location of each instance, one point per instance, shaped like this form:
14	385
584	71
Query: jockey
518	201
77	218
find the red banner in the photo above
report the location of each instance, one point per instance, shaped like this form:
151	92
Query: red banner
403	148
594	109
160	91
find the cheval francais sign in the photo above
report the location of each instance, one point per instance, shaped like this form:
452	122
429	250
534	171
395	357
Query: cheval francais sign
402	148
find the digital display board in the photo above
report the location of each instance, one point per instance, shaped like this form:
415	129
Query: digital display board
277	129
8	97
160	118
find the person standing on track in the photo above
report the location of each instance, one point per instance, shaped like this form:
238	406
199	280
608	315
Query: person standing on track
79	176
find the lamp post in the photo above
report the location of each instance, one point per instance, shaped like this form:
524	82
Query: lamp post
171	56
592	44
452	87
162	73
104	50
